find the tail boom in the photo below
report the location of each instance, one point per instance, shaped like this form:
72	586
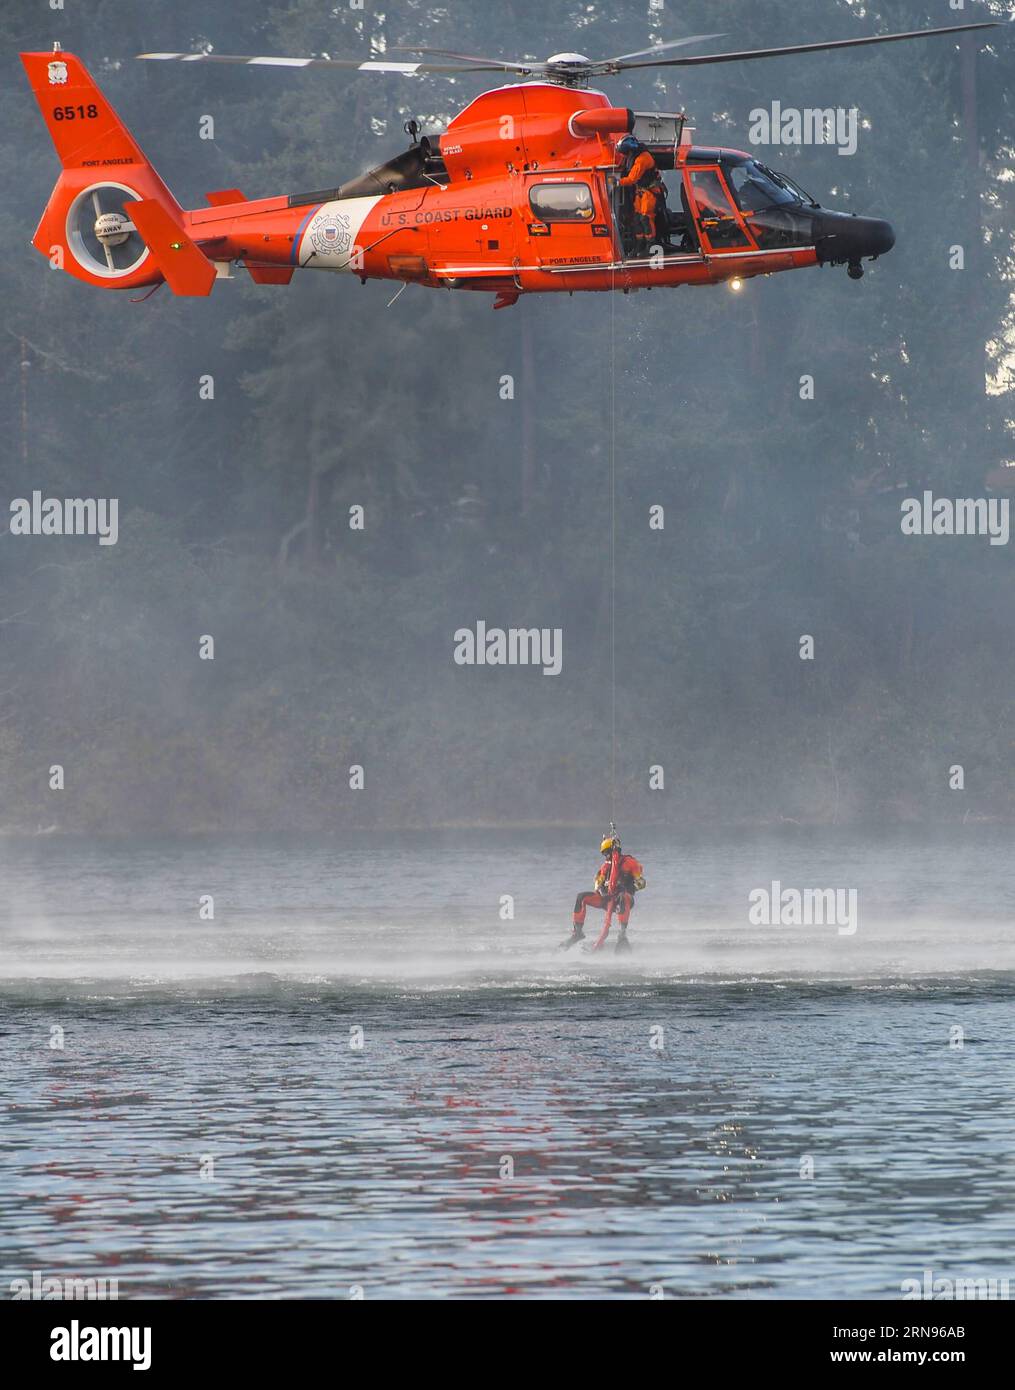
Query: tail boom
112	222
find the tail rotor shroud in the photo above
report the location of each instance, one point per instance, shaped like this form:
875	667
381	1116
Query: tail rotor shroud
101	235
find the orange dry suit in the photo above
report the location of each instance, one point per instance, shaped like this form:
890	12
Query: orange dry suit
618	878
643	177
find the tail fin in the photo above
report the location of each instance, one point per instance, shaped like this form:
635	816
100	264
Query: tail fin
87	228
182	262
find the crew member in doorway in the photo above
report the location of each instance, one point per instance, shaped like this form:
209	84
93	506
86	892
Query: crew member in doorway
620	876
641	176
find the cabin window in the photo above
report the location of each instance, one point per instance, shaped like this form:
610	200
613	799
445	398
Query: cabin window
562	202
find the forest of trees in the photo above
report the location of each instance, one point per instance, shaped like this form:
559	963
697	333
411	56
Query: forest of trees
333	647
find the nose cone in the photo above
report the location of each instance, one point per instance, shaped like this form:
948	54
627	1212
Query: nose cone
839	237
875	236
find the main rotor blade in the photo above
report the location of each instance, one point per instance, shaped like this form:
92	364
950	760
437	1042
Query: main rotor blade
539	66
804	47
469	57
370	65
658	47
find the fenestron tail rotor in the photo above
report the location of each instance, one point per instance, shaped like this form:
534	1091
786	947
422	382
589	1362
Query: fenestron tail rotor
563	69
100	233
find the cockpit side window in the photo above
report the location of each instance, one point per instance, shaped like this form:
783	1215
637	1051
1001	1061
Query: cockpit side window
774	206
718	221
755	189
562	202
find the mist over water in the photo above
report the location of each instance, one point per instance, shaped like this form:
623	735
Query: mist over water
427	908
635	1165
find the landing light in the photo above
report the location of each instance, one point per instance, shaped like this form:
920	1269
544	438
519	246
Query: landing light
736	284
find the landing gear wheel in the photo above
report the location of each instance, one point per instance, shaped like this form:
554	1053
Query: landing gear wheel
855	270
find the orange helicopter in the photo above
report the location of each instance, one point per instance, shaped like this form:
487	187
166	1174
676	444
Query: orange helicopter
521	194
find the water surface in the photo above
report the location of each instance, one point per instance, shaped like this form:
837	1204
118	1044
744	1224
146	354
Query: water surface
362	1075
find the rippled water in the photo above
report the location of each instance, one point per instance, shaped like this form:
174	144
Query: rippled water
516	1120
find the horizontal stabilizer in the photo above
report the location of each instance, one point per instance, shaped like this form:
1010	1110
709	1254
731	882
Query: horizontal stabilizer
223	196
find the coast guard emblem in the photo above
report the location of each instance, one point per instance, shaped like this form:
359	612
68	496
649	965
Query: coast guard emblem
331	232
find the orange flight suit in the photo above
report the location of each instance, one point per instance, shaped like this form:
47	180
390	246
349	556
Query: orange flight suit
643	176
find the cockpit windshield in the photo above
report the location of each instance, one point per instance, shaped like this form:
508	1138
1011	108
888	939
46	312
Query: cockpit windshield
756	187
794	187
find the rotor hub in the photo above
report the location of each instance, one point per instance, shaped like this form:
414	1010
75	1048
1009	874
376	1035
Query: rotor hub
112	228
569	69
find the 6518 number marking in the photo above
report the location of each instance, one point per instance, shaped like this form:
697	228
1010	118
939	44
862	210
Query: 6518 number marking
74	113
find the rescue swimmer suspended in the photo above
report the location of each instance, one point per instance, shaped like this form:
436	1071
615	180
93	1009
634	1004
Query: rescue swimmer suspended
531	189
620	876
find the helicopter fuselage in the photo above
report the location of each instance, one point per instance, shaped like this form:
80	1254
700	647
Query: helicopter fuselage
519	196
